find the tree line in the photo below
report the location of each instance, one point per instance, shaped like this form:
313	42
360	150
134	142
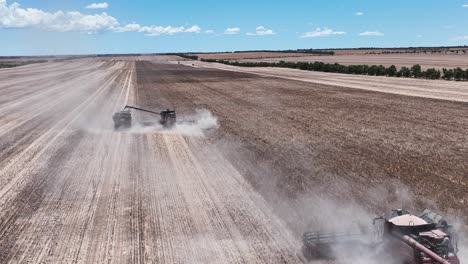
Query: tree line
187	56
415	71
11	64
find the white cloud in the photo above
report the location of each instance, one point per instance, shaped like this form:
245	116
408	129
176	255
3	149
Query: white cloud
97	6
461	38
129	27
261	31
13	16
209	31
318	32
371	33
193	29
157	30
359	14
419	36
465	5
232	31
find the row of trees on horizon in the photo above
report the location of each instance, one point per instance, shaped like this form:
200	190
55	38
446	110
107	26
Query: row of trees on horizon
11	64
415	71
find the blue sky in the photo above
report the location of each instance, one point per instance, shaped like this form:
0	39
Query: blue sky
115	26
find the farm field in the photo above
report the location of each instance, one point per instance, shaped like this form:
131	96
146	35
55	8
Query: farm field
73	190
270	153
248	55
352	53
435	89
399	60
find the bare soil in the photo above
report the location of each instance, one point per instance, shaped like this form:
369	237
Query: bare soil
317	138
72	190
435	89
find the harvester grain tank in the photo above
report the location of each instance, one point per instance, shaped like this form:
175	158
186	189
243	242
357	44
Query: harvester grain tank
407	238
123	119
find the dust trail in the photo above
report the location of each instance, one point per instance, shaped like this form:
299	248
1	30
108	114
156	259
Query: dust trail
195	125
462	239
198	124
326	210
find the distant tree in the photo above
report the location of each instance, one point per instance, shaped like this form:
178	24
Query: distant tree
404	72
416	71
303	65
372	70
391	71
357	69
318	66
381	70
459	74
448	74
187	56
432	73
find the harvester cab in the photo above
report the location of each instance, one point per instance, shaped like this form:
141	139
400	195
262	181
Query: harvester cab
168	118
123	119
418	241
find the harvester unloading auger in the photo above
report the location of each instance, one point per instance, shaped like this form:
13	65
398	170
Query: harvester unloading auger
123	119
405	238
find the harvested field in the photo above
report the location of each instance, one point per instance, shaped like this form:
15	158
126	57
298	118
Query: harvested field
248	55
316	136
155	58
429	50
73	190
435	89
455	51
399	60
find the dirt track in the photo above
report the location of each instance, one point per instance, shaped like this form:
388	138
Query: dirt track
74	191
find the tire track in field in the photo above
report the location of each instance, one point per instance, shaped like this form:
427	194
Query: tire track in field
45	97
202	210
78	239
79	192
39	146
54	137
15	137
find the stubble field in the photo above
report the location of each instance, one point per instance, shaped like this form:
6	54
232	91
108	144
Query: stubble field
72	190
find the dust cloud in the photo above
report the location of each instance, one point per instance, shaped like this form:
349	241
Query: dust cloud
196	125
336	209
187	125
462	239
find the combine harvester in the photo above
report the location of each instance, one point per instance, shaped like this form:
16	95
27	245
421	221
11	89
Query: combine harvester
403	237
123	119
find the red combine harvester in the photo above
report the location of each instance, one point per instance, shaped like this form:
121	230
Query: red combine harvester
405	238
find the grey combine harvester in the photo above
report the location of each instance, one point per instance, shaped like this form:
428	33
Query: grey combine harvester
123	119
